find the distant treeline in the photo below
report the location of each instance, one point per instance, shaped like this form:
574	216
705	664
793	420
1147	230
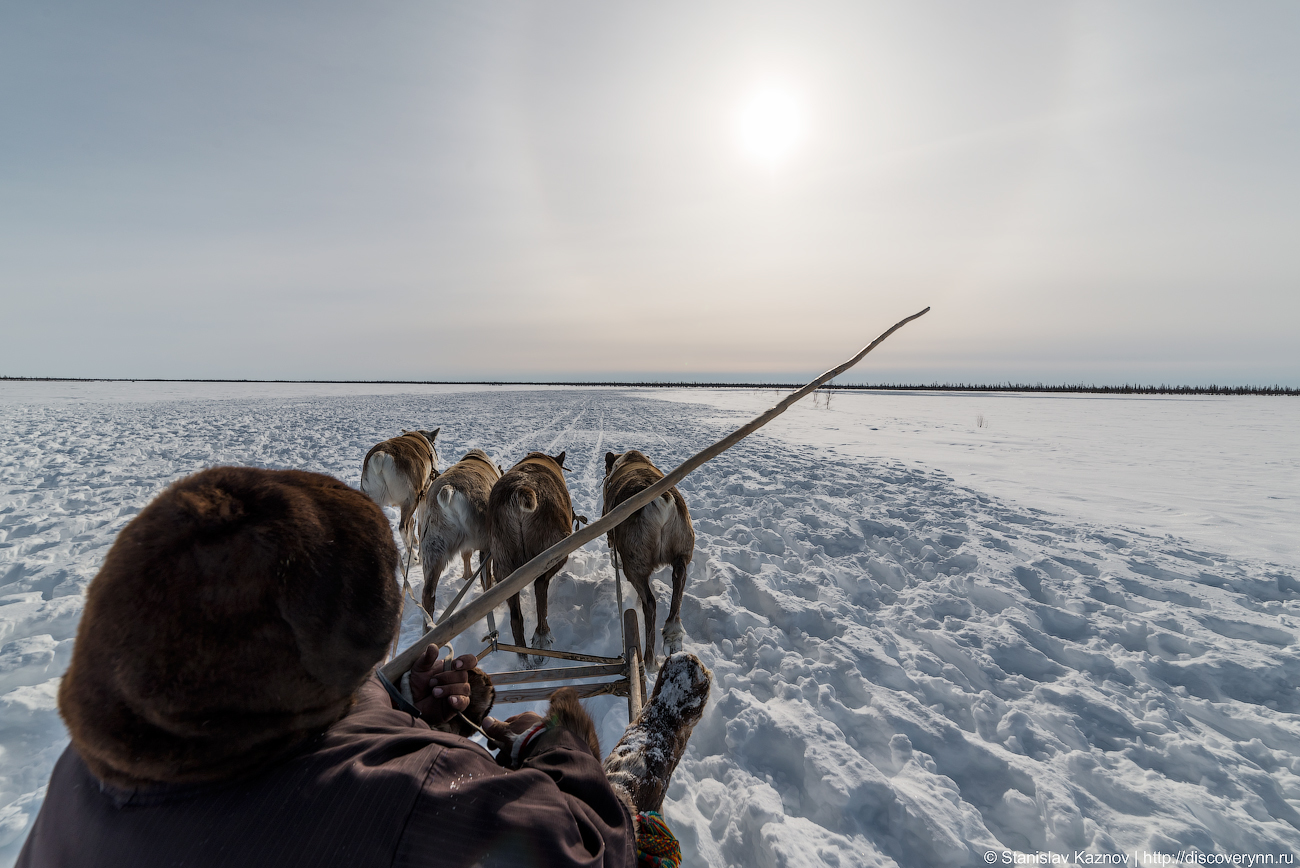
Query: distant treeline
956	387
1126	389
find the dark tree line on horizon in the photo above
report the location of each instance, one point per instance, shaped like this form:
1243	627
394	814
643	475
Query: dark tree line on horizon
1126	389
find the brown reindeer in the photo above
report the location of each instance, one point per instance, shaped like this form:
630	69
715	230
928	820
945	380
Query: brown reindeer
454	519
658	534
529	511
396	473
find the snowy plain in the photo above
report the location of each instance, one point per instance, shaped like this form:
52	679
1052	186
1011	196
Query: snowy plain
941	626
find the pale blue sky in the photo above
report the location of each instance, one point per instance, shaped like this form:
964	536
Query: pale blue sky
1103	192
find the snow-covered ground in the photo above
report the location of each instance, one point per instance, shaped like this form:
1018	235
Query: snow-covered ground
1072	628
1223	472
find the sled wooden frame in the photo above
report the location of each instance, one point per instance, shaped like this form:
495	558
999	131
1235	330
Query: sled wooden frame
628	668
632	682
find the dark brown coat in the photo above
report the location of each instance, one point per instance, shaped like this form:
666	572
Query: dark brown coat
659	534
455	519
529	511
397	473
378	789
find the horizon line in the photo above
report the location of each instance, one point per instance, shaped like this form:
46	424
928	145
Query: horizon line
1081	388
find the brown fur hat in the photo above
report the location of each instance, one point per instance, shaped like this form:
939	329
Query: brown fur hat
233	618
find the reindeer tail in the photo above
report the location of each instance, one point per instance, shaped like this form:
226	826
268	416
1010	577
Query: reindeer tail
658	511
375	475
526	499
454	506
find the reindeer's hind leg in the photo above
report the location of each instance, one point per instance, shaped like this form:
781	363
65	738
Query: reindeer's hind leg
542	638
673	631
640	582
406	526
517	627
485	579
434	563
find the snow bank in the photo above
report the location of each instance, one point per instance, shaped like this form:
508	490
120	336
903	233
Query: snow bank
909	671
1223	471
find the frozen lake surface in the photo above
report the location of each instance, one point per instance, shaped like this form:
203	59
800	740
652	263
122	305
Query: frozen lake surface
1072	627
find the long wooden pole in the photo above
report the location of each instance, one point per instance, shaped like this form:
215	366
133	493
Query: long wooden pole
531	571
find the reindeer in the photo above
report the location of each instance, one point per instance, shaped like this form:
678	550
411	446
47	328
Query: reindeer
455	520
658	534
529	510
397	473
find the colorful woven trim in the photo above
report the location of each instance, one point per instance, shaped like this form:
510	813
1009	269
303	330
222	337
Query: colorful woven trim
522	741
656	845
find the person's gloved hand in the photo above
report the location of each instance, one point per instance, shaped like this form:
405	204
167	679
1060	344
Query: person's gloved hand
512	736
440	688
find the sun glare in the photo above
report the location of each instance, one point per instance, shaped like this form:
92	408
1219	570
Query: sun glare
770	125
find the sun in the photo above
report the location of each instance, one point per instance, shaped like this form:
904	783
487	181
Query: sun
770	124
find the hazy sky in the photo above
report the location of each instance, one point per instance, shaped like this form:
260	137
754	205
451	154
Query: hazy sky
1090	192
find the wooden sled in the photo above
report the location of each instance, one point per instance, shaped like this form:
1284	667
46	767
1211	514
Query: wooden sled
627	670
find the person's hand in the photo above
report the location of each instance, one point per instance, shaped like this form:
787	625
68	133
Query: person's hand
440	688
502	731
503	734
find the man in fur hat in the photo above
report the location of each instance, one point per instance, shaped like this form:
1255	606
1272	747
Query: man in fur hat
224	710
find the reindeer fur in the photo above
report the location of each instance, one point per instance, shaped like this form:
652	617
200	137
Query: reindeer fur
569	713
657	535
397	471
529	510
641	765
455	519
233	618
